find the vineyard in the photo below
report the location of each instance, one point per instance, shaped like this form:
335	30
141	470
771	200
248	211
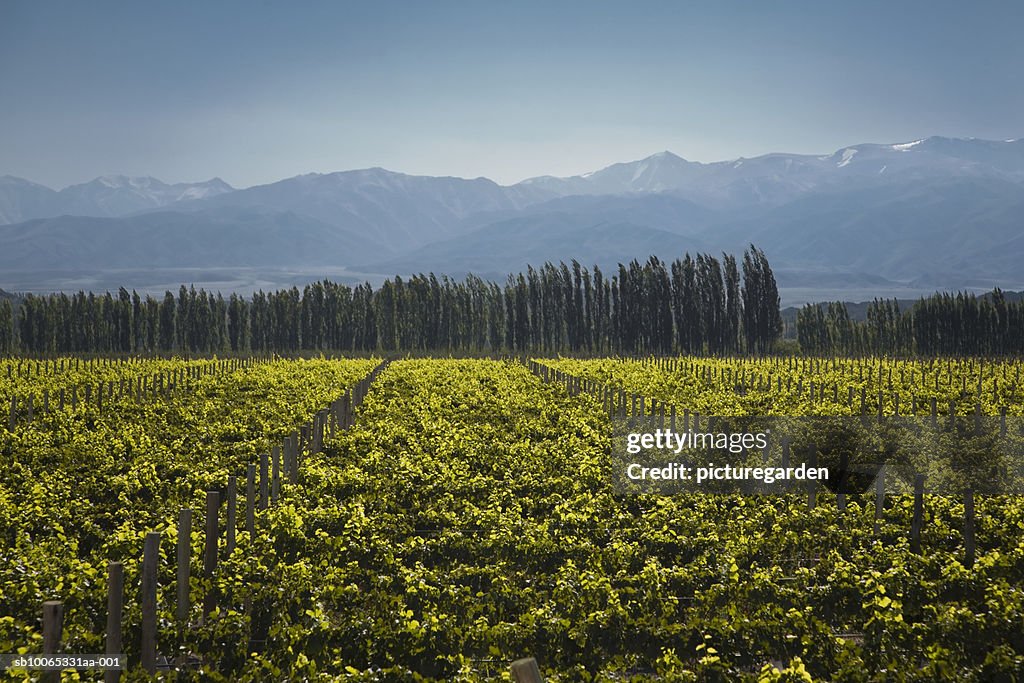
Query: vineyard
425	520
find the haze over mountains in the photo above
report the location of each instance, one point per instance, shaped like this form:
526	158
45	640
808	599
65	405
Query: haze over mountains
937	213
107	196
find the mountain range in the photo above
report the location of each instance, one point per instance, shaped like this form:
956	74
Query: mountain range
106	196
935	213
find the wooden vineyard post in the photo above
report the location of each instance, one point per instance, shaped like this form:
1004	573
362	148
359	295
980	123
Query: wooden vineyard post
969	547
115	607
212	542
332	421
293	456
275	480
918	519
150	558
844	465
53	626
305	440
286	454
318	436
785	460
314	434
812	485
232	514
879	498
526	671
184	568
13	414
250	499
264	484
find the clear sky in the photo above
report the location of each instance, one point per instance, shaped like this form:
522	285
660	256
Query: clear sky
256	91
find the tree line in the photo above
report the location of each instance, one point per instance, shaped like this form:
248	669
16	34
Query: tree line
943	324
698	304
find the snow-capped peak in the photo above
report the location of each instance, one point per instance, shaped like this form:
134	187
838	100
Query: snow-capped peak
113	180
903	147
119	181
664	155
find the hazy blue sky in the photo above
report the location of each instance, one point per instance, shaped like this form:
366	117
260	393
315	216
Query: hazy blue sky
256	91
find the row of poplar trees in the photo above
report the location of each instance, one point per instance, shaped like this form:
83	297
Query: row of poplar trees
692	305
943	324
